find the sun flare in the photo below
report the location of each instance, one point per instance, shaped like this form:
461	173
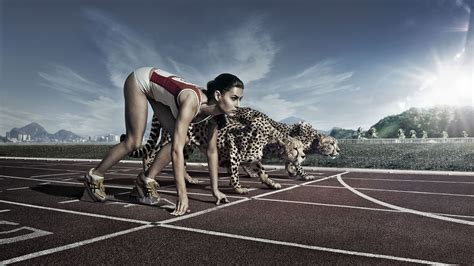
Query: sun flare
451	83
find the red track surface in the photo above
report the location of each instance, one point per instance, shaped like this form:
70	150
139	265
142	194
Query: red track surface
42	220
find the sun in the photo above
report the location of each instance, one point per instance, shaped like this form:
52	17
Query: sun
452	83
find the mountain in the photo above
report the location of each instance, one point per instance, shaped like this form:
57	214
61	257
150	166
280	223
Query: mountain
35	132
341	133
64	135
435	120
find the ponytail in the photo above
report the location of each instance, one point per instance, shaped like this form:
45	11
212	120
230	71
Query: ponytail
223	83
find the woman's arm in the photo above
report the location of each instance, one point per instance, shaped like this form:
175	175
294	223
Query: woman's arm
212	160
188	106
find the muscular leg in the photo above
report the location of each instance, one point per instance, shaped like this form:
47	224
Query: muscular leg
167	120
163	158
136	111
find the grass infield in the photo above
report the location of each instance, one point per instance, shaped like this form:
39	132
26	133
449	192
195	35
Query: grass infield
440	157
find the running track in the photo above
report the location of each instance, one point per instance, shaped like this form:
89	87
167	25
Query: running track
341	217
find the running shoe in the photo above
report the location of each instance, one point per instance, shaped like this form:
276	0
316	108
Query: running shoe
95	186
146	189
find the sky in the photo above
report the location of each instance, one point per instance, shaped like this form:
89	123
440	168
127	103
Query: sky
333	63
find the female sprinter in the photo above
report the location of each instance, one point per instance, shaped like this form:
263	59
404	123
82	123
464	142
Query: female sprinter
177	104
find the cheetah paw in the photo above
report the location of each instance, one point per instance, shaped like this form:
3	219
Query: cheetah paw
276	186
191	180
242	190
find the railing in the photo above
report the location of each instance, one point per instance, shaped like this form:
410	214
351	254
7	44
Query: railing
406	140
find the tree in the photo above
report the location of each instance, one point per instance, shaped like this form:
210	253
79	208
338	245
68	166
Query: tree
424	134
464	134
401	134
413	134
444	134
360	133
371	133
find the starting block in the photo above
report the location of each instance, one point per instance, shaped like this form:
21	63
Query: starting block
133	198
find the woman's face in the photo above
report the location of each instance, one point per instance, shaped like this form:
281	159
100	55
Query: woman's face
228	101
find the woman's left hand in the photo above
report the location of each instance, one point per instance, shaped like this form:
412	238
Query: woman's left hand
221	197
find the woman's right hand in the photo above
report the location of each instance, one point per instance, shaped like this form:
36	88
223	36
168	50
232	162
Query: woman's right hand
221	197
181	206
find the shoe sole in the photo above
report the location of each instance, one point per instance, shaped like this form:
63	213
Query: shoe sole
144	200
91	194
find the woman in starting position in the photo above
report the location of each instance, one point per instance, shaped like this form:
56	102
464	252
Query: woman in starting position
177	104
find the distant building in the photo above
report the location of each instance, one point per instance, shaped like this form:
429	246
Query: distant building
105	138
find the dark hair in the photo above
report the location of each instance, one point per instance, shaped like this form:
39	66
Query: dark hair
223	83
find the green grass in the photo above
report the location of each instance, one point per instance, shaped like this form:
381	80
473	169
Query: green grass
445	156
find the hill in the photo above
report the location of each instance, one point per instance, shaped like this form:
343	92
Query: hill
435	120
64	135
35	132
341	133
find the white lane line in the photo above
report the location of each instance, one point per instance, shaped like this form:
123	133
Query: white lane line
44	169
34	233
58	181
68	201
5	210
194	214
411	180
267	167
164	224
187	216
76	212
399	191
50	175
296	186
168	201
17	188
107	186
286	180
290	244
329	205
358	207
391	206
73	245
173	192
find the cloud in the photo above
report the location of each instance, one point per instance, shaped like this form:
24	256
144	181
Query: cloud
100	109
323	78
247	51
70	83
308	94
123	49
105	116
12	118
274	106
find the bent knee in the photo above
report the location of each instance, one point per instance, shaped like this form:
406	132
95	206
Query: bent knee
132	143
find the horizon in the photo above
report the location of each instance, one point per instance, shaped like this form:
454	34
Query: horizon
319	129
335	64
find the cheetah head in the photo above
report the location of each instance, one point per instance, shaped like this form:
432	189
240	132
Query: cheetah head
326	145
292	150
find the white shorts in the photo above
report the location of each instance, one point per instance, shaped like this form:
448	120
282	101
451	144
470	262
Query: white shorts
142	76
